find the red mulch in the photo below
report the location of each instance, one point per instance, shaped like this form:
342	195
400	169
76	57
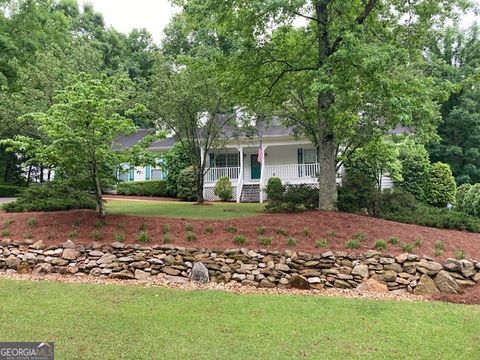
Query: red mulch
470	296
54	228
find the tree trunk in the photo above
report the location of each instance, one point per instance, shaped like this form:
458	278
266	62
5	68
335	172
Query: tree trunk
98	191
327	178
200	180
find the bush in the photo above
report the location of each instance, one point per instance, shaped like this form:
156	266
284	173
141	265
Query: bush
441	189
224	189
321	243
10	190
462	191
393	201
54	196
356	194
143	188
175	161
381	245
471	200
295	198
415	170
239	240
274	189
187	184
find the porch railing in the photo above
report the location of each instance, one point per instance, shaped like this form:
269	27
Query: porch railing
292	172
213	174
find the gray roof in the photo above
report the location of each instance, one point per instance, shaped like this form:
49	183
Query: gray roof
126	142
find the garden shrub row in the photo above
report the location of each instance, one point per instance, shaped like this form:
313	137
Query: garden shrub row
290	198
54	196
143	188
10	190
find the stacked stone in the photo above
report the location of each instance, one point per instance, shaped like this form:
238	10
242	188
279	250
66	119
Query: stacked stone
268	269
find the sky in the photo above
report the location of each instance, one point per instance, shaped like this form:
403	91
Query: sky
154	15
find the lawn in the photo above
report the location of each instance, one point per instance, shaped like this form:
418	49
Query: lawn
133	322
179	209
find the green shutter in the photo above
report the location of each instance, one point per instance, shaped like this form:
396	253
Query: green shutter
148	172
131	174
300	156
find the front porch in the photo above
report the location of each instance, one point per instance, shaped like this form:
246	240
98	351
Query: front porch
292	163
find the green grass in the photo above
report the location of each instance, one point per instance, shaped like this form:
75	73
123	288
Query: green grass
179	209
134	322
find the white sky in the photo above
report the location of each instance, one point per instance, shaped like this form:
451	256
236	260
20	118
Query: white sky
154	15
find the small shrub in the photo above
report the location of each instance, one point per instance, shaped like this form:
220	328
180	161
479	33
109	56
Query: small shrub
231	229
97	235
321	243
188	227
10	190
190	236
439	245
274	189
32	222
7	223
381	245
224	189
143	236
437	252
261	230
352	244
307	232
460	254
296	198
291	241
265	241
167	239
5	233
143	188
143	227
120	237
418	243
165	229
239	240
360	236
100	224
394	240
208	230
282	232
187	184
441	188
73	234
406	247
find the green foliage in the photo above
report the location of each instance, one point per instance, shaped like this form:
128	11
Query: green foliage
381	245
143	236
143	188
190	236
96	235
291	241
239	240
100	223
394	240
418	243
224	189
352	244
54	196
28	235
10	190
32	222
232	229
462	191
188	227
360	236
5	232
295	198
439	245
470	201
187	184
282	232
441	188
167	239
415	169
460	254
165	228
321	243
265	241
406	247
392	201
7	223
73	234
438	252
261	230
208	230
120	237
274	189
307	232
175	161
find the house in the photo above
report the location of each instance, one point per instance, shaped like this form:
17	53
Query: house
249	161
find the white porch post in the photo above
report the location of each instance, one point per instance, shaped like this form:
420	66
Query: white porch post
240	175
262	171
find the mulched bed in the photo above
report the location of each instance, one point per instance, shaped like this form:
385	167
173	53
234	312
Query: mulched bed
54	228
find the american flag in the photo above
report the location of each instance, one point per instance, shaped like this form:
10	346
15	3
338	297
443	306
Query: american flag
260	154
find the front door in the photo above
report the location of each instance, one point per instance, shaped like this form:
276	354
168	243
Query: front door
255	168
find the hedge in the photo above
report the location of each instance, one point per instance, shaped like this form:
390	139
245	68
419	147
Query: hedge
10	190
143	188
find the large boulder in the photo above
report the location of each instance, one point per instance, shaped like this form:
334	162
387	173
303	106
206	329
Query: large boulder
372	285
426	286
446	283
199	273
361	270
429	267
299	282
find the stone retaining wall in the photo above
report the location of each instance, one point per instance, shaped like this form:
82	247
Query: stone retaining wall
405	272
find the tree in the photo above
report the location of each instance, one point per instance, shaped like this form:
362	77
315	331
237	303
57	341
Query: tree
192	104
79	133
352	68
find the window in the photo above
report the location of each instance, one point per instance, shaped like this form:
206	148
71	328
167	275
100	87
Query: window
148	172
306	157
309	156
224	160
131	175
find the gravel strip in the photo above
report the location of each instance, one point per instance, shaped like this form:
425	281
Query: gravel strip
239	289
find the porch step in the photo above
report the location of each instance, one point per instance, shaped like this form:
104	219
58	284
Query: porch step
250	193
